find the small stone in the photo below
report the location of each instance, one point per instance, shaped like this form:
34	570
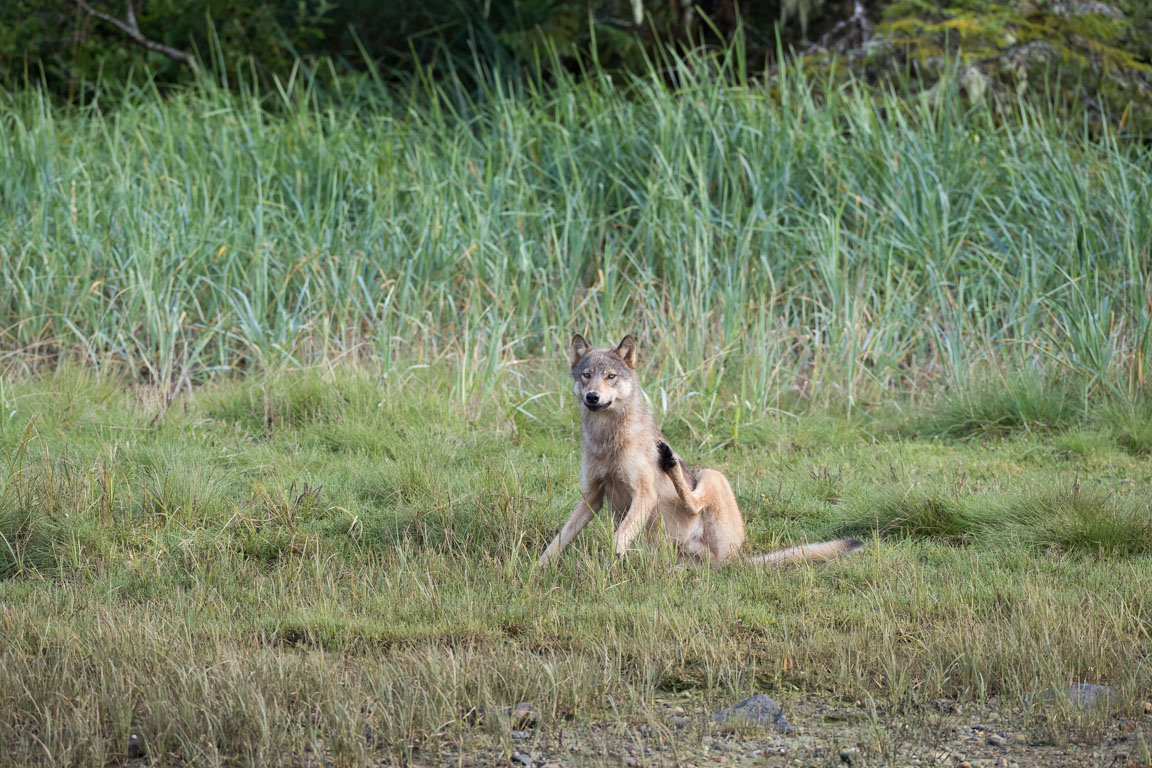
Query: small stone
679	722
1148	707
678	711
519	735
965	764
521	758
847	755
819	752
997	739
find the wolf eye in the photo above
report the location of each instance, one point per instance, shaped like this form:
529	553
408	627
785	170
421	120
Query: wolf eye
586	375
610	376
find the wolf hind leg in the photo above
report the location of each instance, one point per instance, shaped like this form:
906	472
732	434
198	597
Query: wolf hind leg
711	497
674	468
723	523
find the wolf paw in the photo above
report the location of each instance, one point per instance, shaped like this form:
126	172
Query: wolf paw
667	458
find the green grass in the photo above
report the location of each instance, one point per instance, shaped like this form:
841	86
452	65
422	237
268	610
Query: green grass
359	570
758	239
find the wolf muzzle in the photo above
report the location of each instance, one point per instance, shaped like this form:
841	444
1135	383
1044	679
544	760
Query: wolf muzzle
593	402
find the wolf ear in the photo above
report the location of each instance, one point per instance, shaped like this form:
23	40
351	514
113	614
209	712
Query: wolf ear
579	348
627	351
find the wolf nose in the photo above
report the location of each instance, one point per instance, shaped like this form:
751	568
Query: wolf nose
592	398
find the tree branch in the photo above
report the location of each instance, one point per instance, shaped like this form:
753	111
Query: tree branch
858	21
132	32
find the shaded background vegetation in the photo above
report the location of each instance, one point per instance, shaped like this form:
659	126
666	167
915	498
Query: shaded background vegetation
1101	50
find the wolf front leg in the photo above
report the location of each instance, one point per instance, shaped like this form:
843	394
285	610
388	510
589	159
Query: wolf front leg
641	508
579	518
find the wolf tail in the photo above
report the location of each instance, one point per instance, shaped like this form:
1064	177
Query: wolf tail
809	553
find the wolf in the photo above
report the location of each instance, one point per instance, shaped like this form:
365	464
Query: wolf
627	462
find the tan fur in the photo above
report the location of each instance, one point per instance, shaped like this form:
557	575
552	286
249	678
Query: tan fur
624	455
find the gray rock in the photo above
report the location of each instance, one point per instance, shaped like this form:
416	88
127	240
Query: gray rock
1088	694
1024	58
1083	695
523	715
521	758
975	84
1086	8
997	739
758	710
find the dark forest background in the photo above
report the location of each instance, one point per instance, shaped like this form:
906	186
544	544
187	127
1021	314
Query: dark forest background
1098	54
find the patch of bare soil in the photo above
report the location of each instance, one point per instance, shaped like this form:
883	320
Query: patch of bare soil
814	731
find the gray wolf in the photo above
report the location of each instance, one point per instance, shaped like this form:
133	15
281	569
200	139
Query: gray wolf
627	462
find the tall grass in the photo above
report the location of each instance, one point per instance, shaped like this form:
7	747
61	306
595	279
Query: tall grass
844	246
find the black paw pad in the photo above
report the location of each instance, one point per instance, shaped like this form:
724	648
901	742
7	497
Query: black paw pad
667	458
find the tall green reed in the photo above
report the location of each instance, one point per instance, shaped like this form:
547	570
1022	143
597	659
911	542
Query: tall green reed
761	237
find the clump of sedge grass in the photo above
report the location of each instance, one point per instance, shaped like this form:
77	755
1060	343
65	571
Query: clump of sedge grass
1087	522
899	513
996	409
1131	427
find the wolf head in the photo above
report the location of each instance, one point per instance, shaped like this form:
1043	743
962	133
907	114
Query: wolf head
605	379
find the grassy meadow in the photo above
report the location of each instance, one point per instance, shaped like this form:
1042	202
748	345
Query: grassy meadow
338	558
284	422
